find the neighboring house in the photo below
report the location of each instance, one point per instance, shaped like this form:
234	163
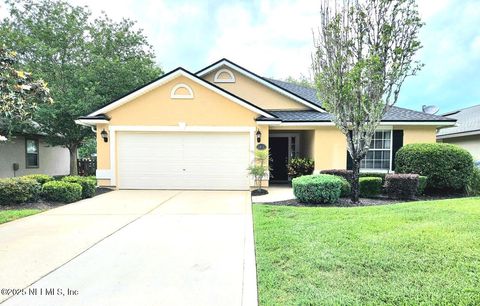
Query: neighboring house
466	133
29	154
199	131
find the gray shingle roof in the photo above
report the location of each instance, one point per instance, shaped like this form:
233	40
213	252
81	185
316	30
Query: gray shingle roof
394	114
310	94
468	120
307	93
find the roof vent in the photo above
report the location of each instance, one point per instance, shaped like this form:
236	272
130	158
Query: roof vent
430	109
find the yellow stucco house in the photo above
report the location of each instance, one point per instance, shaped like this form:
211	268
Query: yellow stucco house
199	131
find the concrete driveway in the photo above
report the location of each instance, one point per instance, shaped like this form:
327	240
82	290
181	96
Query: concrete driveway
134	247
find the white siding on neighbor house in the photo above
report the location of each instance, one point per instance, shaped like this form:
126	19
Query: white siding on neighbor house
470	143
53	160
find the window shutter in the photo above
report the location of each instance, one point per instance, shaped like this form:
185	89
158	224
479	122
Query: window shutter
349	159
397	143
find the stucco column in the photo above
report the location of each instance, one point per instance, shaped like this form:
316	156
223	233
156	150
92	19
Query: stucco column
103	154
330	149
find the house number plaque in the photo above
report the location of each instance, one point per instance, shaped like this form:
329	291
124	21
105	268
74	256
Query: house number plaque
261	146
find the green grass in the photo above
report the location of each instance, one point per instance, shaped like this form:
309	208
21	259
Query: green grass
10	215
418	253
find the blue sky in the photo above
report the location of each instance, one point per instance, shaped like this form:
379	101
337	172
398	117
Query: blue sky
274	38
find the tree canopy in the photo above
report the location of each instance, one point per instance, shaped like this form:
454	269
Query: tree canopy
364	50
20	93
87	61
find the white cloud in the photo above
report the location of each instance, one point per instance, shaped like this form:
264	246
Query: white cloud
267	39
428	9
161	21
475	46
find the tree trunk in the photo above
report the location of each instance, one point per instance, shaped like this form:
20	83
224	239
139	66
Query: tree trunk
355	181
73	159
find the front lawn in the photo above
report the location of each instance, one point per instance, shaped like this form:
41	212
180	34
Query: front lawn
403	254
10	215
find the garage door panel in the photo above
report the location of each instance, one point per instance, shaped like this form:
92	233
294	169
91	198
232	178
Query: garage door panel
181	160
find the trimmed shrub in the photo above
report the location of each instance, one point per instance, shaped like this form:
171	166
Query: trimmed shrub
299	167
61	191
41	178
448	167
18	190
473	186
346	188
317	189
422	184
401	186
88	185
374	174
91	177
370	186
346	174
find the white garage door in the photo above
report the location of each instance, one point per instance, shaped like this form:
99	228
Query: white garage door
183	160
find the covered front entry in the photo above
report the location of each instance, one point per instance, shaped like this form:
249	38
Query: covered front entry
279	159
183	160
285	145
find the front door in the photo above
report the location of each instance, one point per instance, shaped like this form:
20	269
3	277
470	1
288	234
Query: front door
279	159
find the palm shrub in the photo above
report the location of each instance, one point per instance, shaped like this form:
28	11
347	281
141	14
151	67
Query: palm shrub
88	185
299	166
258	170
317	189
448	167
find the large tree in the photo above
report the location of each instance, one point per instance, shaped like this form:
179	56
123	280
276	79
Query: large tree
20	94
364	50
86	61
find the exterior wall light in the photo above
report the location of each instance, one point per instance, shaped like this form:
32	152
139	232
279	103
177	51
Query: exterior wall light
259	136
104	135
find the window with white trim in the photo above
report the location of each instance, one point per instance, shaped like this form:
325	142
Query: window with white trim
31	153
380	152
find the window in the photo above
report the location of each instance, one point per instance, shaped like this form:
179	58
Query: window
378	156
293	147
31	148
181	91
224	76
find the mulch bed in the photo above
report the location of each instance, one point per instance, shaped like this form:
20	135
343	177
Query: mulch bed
42	205
260	192
102	190
45	205
345	202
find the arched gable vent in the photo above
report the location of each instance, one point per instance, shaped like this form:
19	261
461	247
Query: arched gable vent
224	76
181	91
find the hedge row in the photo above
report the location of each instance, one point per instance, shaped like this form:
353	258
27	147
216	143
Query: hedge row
30	188
401	186
317	189
370	186
61	191
19	190
88	185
